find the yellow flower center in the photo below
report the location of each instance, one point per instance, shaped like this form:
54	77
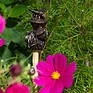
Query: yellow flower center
55	75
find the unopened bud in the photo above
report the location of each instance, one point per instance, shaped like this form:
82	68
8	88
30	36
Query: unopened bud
32	71
16	70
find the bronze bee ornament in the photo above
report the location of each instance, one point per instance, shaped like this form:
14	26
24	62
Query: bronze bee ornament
36	39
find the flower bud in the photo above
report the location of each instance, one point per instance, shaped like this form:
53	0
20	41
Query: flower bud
16	70
32	71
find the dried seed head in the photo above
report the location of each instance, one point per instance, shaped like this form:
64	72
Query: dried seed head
16	70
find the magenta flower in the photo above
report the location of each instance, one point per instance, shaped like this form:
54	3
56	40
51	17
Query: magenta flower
2	24
1	91
54	74
2	42
18	88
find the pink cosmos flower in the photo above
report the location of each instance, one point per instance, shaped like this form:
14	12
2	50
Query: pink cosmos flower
2	42
54	74
1	91
18	88
2	24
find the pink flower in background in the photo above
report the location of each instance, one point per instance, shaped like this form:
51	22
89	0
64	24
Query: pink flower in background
2	24
18	88
54	74
1	91
2	42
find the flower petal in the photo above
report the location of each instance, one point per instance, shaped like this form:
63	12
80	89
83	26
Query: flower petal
49	59
9	89
60	62
57	87
67	81
47	87
24	88
41	80
2	42
1	91
44	68
18	88
70	69
52	86
2	24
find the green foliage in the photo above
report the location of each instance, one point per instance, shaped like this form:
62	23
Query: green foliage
3	8
15	43
17	11
13	34
6	1
70	27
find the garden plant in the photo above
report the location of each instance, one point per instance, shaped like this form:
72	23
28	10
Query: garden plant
65	63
